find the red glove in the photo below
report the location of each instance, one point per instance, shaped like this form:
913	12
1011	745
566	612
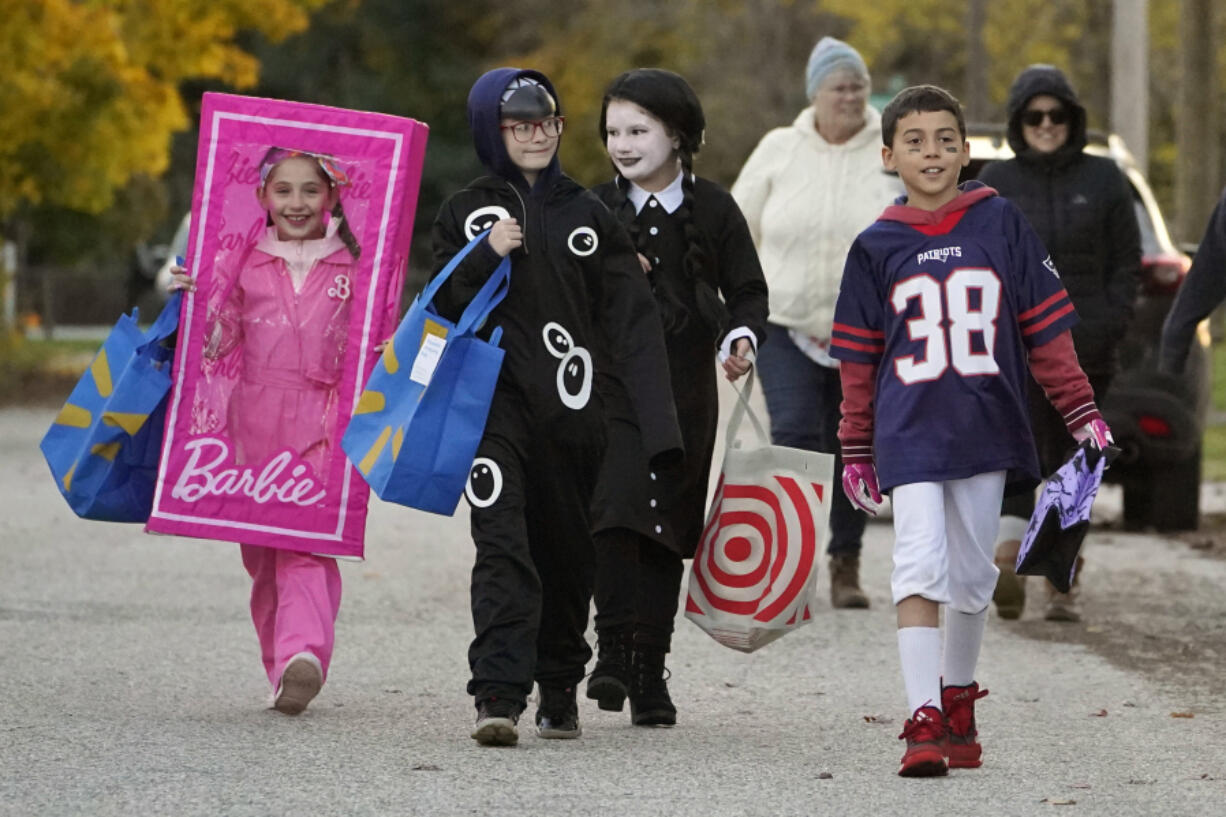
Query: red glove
860	485
1096	431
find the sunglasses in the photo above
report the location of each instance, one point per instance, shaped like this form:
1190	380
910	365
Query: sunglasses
1034	118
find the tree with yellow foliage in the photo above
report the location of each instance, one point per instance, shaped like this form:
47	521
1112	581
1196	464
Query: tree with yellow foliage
91	90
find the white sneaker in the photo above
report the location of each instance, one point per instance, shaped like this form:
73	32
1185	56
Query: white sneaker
300	683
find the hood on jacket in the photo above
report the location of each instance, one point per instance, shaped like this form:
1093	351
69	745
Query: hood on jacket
943	218
1045	79
484	120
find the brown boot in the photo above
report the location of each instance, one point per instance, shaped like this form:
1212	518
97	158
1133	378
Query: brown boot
845	592
1010	595
1064	606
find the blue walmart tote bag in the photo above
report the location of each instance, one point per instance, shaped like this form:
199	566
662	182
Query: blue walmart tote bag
104	445
422	414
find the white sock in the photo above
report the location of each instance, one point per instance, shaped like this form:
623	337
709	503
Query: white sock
920	651
963	638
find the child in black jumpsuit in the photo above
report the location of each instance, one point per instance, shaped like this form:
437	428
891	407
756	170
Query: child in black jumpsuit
578	305
694	246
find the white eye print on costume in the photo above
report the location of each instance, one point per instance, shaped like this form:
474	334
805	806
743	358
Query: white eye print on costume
483	218
557	340
484	483
575	378
583	241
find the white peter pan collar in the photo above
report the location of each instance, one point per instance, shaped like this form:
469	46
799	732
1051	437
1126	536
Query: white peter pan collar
670	197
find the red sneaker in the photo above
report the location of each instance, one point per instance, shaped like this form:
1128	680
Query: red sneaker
925	736
959	706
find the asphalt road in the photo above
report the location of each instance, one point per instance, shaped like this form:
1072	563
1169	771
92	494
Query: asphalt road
131	684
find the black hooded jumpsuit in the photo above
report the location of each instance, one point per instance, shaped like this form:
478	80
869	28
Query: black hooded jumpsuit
578	306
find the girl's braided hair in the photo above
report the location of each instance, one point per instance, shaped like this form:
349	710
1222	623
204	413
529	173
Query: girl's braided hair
669	98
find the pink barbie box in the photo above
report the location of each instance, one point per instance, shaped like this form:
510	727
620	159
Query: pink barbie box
279	335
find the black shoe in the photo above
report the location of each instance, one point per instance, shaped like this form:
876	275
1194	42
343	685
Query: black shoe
557	716
610	680
496	719
649	701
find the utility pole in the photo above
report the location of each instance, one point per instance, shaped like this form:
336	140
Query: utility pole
1130	76
976	100
1197	171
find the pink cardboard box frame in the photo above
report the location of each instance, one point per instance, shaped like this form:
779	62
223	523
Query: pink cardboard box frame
282	501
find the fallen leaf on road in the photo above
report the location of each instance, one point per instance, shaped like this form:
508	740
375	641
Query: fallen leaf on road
1102	713
1051	802
1183	715
825	776
877	719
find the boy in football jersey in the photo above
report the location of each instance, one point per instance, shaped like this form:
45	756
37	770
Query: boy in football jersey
945	301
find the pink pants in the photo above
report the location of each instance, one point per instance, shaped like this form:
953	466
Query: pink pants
294	601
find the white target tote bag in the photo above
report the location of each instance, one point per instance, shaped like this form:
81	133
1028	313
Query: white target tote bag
755	569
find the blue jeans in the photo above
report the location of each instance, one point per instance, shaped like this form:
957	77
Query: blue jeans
802	399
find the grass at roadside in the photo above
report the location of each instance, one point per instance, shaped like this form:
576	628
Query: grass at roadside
36	370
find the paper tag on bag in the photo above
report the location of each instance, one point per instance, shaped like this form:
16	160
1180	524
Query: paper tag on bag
432	347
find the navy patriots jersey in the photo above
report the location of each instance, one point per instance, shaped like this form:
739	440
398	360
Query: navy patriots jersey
946	304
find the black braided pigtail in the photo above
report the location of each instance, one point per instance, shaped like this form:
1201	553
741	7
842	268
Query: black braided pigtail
673	314
711	309
343	232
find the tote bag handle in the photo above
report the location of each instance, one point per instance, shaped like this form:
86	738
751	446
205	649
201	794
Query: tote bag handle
743	409
487	298
167	320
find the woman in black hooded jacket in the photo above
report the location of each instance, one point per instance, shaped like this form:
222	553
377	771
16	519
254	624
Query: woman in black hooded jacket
1082	207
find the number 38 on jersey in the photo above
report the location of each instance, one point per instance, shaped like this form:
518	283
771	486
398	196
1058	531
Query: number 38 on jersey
955	319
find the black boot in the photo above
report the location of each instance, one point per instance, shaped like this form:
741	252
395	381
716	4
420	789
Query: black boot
649	701
557	714
610	680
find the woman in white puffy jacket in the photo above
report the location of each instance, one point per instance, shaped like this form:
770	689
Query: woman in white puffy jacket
807	190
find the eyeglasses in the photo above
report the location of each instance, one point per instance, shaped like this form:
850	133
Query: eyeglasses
526	131
1034	117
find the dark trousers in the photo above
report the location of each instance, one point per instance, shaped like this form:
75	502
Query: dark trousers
638	586
1052	439
533	573
802	399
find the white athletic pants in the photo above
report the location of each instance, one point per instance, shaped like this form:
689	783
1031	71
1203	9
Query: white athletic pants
944	538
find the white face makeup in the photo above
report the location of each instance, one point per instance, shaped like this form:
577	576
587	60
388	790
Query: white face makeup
640	146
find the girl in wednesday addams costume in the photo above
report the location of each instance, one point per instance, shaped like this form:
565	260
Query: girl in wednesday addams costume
693	244
578	305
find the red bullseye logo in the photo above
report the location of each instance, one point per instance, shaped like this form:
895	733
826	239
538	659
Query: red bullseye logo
758	551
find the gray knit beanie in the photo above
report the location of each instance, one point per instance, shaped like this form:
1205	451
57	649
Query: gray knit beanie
830	55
